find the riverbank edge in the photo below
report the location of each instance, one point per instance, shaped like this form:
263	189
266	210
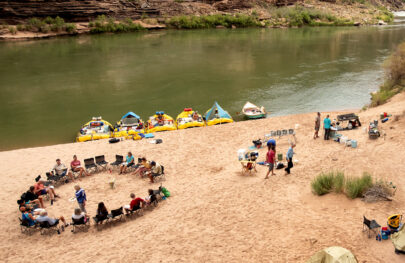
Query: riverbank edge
307	15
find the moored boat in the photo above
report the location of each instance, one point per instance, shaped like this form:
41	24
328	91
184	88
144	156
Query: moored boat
217	115
189	119
252	111
130	124
160	122
95	129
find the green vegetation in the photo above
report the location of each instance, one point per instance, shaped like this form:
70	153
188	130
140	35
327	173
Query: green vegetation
212	21
385	15
12	30
302	16
394	77
353	187
103	24
46	25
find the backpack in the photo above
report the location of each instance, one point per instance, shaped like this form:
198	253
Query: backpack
280	166
165	192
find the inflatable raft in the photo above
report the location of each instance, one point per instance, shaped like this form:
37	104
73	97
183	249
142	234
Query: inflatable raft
252	111
130	124
95	129
189	119
160	122
216	115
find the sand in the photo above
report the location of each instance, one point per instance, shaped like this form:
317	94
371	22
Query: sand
215	214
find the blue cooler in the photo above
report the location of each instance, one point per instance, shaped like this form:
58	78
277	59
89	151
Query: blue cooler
354	143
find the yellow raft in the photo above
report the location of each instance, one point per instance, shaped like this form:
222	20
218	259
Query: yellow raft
95	129
189	119
216	115
129	125
160	122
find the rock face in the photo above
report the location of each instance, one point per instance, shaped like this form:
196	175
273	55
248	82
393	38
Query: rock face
71	10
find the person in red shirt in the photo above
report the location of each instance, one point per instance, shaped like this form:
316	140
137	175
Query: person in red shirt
76	166
135	204
271	160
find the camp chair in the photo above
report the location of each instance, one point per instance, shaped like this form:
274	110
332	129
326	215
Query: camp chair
248	166
394	222
278	133
46	227
97	220
291	131
80	224
160	176
285	132
370	225
90	165
273	133
100	161
57	179
119	159
116	214
25	227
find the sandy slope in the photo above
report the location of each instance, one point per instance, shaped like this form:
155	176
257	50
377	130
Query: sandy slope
215	214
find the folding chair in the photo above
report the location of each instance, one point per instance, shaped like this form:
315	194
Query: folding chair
25	227
370	225
80	224
273	133
119	159
100	161
160	176
291	131
116	214
278	133
46	227
98	220
90	165
248	166
285	132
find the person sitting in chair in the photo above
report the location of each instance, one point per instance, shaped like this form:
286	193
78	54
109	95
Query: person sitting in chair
102	213
150	198
43	217
61	170
40	189
76	166
155	170
143	167
31	198
27	216
135	204
129	162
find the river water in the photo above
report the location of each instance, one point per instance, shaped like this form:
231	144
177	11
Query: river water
49	88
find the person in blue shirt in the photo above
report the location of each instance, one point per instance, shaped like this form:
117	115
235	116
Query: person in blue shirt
326	126
289	157
81	198
130	161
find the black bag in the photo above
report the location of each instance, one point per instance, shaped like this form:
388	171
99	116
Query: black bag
114	140
280	166
159	141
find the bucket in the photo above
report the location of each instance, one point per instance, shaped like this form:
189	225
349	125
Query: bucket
354	144
279	156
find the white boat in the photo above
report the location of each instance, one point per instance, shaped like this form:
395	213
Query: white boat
252	111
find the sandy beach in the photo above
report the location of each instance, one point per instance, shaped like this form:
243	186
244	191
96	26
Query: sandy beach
215	214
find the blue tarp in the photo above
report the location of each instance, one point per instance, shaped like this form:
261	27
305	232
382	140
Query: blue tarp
130	114
211	114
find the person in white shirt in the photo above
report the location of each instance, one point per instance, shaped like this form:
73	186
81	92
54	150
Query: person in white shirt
155	170
61	170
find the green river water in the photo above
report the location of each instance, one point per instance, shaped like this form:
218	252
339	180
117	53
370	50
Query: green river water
49	88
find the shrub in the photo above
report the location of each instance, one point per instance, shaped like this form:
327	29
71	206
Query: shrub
211	21
70	28
355	187
339	182
20	27
12	30
323	183
103	25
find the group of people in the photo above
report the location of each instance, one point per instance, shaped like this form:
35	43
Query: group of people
271	158
142	168
327	125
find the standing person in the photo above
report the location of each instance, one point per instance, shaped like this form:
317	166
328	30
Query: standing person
81	198
290	154
76	166
317	125
326	126
271	160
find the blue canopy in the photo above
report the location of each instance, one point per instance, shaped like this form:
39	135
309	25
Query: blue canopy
130	115
217	112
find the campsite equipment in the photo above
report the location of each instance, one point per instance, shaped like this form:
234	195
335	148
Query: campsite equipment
241	154
398	240
257	143
189	119
113	140
373	131
130	124
354	143
95	129
394	221
165	192
279	156
333	255
384	120
251	111
216	115
160	122
149	135
352	119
